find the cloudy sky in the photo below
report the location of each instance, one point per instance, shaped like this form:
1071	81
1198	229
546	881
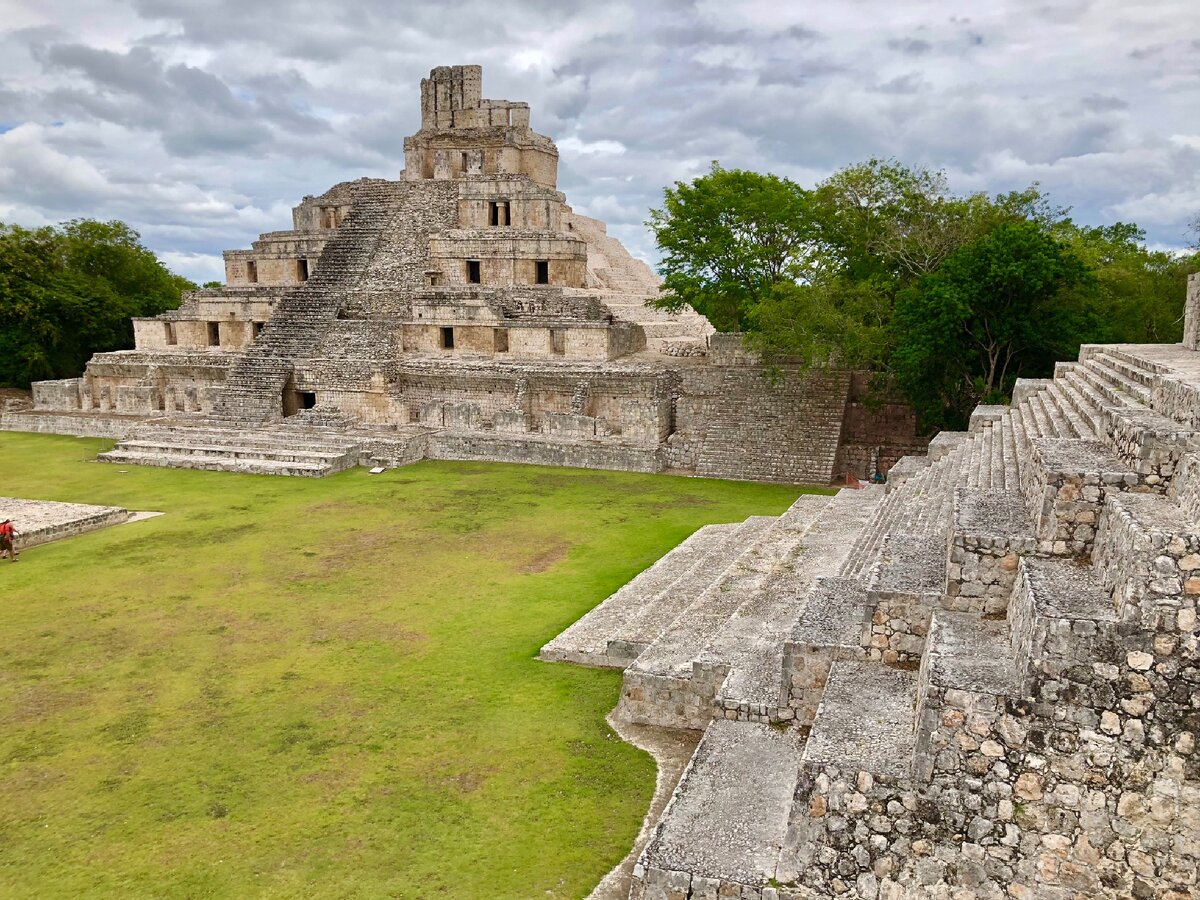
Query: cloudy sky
202	123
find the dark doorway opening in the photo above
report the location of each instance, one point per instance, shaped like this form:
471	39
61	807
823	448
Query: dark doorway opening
448	338
558	341
302	270
214	334
473	271
251	271
499	213
501	345
543	271
307	399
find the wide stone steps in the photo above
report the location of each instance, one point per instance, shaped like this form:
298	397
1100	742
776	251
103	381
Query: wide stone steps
331	458
253	466
751	641
253	389
262	451
866	720
1130	377
588	640
675	650
727	819
655	619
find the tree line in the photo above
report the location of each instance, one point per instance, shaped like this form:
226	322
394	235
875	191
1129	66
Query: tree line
948	297
69	291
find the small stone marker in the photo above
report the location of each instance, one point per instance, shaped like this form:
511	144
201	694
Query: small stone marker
376	470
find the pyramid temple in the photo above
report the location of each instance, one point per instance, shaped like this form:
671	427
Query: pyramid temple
463	311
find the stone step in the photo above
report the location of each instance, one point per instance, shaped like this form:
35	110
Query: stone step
216	463
1118	386
866	720
752	641
1064	410
1065	484
1057	606
655	618
967	652
683	642
967	666
231	450
912	564
588	640
728	818
1147	551
832	626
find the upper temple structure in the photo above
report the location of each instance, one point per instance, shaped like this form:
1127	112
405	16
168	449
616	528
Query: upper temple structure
463	311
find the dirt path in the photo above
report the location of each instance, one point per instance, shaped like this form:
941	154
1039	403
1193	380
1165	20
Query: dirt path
671	749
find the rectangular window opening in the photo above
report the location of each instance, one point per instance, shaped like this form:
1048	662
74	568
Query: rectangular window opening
302	270
473	271
256	328
447	337
214	334
499	213
172	339
251	271
308	399
543	271
501	340
558	341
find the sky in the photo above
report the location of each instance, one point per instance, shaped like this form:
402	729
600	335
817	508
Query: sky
202	123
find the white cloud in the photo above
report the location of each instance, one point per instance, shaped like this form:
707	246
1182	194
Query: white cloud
202	124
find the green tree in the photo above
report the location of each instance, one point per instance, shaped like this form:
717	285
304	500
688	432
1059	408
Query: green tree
997	308
727	238
1138	293
70	291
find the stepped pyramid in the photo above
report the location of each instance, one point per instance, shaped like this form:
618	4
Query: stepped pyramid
980	681
462	311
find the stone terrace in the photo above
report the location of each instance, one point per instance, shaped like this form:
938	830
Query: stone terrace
982	681
41	521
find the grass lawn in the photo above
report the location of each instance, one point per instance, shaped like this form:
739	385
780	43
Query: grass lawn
289	687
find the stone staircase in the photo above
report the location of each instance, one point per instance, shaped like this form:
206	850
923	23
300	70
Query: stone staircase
261	451
254	386
979	682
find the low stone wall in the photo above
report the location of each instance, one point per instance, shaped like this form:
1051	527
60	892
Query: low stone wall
497	448
117	427
669	701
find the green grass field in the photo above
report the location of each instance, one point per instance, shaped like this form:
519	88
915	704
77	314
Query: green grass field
287	687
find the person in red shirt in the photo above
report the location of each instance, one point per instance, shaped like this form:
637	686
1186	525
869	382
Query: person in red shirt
8	537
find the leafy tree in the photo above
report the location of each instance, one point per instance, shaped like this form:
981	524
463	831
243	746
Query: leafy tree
67	292
995	308
213	284
727	238
1137	293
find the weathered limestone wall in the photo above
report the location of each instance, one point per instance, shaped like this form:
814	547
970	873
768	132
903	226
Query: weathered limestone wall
1191	313
876	433
732	422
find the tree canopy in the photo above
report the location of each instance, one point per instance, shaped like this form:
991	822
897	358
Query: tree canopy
69	291
880	266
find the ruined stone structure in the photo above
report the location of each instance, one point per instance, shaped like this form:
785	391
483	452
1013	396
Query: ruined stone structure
982	681
464	311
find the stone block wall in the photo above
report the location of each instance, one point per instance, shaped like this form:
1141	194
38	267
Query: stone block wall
734	423
1191	313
